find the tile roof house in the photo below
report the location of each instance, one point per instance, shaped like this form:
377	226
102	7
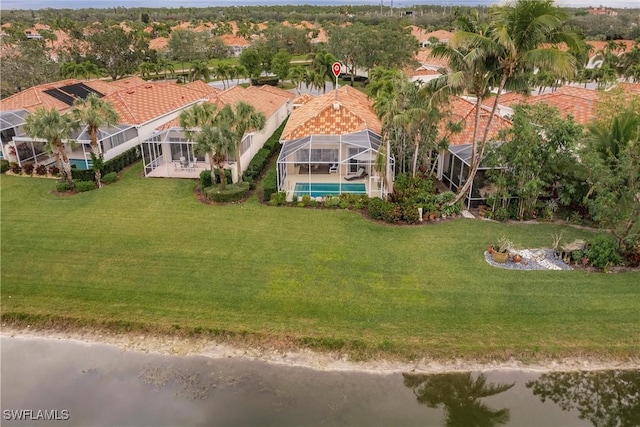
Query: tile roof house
332	141
429	68
141	106
424	38
169	153
236	44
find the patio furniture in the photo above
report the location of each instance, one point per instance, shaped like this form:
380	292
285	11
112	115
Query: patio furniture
177	165
358	175
333	168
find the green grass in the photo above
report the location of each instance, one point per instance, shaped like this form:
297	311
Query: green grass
145	254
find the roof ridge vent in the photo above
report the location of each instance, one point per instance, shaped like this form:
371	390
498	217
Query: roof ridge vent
336	105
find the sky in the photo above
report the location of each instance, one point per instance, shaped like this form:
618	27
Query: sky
77	4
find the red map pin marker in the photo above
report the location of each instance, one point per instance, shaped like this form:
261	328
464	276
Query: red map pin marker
336	68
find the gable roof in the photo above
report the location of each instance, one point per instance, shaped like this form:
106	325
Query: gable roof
231	40
324	116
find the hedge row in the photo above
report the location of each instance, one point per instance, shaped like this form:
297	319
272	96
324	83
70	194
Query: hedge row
270	184
114	165
231	193
206	178
261	159
4	165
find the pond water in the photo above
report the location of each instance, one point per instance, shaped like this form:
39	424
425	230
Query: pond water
94	384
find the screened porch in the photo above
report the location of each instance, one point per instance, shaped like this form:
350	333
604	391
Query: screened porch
345	163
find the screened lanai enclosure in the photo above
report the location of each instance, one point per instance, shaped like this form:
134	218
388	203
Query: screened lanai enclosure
456	166
21	148
321	165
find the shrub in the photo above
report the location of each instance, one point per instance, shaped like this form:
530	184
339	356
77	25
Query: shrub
41	170
294	199
603	252
205	179
15	168
306	199
54	170
27	168
282	198
331	202
83	175
451	210
257	165
375	208
361	202
273	200
300	205
231	193
270	184
82	186
216	173
410	213
4	165
110	178
62	187
391	213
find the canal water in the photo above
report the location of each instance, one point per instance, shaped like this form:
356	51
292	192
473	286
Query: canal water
100	385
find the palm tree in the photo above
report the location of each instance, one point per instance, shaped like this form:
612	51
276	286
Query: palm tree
321	64
296	75
193	121
218	142
610	139
223	72
165	66
95	112
517	40
146	68
53	127
199	71
474	68
244	118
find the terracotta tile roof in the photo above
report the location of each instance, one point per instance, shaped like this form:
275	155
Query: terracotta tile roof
321	38
35	97
631	88
139	104
303	99
277	91
575	101
230	40
442	35
202	88
320	117
128	82
462	110
181	26
159	43
261	98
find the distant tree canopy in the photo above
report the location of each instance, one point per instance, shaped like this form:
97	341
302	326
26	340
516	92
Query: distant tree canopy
118	52
26	64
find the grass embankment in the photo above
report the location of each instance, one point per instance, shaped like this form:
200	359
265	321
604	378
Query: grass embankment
144	254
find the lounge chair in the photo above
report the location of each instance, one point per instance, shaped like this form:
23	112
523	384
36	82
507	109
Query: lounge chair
358	175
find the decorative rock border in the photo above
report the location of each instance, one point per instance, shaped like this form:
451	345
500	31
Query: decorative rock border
532	259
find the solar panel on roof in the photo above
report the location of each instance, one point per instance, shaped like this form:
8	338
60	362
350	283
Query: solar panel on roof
69	93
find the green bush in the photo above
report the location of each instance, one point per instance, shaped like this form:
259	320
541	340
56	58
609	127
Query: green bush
603	252
216	174
4	165
54	170
331	202
282	198
257	165
82	186
391	213
110	178
83	175
270	184
205	179
232	192
62	187
410	213
376	207
306	199
273	200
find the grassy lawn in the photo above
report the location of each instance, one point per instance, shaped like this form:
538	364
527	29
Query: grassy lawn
144	253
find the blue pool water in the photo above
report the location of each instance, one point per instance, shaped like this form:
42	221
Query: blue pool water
80	164
322	190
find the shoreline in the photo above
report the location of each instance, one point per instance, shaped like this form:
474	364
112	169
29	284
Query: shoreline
309	359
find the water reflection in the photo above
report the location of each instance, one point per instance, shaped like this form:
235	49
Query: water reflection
459	393
604	398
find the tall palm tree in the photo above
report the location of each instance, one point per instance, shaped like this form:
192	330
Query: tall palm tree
199	71
218	141
518	39
50	125
223	72
242	118
321	64
95	112
296	75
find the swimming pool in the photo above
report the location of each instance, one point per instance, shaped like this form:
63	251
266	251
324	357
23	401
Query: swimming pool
80	164
321	190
